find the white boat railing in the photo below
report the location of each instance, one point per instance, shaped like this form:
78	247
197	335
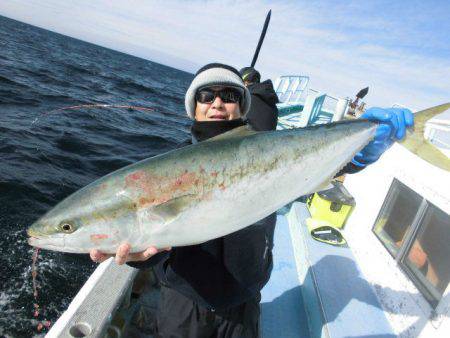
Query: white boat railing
291	89
91	311
431	130
437	131
316	108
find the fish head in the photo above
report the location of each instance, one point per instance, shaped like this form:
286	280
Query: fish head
91	218
52	233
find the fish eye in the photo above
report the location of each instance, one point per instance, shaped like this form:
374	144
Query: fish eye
67	227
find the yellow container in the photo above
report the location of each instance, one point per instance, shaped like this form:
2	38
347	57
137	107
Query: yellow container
333	205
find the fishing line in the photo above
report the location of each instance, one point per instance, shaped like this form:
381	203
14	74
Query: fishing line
45	323
92	106
88	109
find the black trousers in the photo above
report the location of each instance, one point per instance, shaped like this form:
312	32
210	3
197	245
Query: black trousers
180	317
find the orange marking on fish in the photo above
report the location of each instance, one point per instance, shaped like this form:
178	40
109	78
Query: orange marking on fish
144	185
143	201
96	238
151	189
214	174
183	182
188	177
136	175
134	179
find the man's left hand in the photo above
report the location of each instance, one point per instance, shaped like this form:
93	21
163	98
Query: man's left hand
123	254
393	124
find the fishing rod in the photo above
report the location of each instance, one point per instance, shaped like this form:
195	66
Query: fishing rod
261	38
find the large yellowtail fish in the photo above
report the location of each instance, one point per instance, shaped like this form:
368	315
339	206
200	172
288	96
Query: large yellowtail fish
204	191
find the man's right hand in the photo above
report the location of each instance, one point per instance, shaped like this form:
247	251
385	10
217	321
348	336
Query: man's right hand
123	254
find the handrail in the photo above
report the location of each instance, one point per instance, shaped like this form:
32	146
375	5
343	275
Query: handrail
90	312
290	88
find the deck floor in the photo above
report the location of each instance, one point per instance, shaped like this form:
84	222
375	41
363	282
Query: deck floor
282	308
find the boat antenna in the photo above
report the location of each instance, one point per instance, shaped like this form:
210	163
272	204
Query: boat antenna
261	38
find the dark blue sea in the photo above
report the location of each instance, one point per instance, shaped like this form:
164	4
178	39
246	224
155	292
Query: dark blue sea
47	152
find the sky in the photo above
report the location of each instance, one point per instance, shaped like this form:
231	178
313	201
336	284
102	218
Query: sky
400	49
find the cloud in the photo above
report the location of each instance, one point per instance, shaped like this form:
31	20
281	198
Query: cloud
400	50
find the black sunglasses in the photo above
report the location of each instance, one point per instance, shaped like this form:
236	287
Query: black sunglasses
227	95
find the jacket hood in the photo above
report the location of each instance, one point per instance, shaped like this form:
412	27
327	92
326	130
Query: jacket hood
265	91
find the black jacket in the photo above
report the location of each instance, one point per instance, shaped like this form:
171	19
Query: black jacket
263	113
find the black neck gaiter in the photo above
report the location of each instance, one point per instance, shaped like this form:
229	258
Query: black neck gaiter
204	130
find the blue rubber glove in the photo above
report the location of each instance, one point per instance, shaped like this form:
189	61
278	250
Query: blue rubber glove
394	122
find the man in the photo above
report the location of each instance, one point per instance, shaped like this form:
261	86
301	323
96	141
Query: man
213	289
263	113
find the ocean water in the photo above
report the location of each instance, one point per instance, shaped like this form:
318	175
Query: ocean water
46	152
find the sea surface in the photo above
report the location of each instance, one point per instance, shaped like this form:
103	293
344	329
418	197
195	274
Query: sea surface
47	152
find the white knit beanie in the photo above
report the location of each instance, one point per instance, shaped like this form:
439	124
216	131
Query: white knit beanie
216	74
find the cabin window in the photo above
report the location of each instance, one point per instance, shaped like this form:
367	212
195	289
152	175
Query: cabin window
396	216
417	235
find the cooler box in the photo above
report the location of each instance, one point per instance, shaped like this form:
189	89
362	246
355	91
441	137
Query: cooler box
333	205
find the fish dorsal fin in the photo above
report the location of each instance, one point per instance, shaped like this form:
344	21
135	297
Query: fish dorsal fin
417	144
241	131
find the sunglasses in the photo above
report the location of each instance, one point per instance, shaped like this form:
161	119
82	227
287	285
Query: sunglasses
227	95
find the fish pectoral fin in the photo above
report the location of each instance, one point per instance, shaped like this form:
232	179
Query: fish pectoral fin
236	132
171	209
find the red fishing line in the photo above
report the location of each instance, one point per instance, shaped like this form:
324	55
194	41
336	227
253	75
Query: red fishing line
93	106
36	308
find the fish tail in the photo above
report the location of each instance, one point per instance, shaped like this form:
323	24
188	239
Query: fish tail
417	144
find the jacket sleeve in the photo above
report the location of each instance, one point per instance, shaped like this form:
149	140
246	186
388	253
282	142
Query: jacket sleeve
152	261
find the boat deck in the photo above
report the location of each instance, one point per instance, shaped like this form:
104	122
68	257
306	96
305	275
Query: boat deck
282	308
